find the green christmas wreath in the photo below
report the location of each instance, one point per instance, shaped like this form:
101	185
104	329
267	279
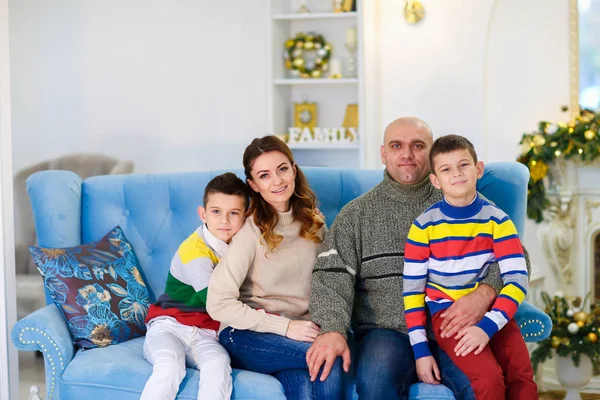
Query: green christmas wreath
297	49
577	139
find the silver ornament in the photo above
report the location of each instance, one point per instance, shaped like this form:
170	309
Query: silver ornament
573	328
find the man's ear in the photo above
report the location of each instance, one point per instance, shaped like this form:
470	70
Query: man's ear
434	181
252	185
480	168
382	152
202	213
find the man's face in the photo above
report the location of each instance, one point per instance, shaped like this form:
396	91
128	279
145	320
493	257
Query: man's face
405	152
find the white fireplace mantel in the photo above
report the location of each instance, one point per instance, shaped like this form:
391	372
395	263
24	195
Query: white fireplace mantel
572	224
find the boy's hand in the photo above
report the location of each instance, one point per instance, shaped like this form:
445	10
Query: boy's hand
428	371
472	338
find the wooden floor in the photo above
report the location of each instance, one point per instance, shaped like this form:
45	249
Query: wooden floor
560	395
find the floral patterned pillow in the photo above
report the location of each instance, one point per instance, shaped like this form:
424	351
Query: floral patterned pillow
99	289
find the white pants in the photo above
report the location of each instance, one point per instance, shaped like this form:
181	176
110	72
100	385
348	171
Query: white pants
170	346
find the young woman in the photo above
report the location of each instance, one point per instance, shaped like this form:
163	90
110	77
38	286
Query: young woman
260	289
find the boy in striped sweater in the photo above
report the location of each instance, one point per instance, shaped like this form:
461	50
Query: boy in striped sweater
448	251
180	332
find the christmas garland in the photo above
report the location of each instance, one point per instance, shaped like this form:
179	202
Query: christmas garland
294	55
577	139
574	331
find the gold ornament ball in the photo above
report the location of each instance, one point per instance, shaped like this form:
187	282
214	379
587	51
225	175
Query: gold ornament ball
309	45
298	62
580	316
555	342
316	73
593	337
589	134
565	341
299	45
304	75
580	324
288	64
289	43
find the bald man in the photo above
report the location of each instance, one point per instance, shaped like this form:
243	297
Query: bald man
358	277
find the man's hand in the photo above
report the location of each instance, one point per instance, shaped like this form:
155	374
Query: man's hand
428	371
472	338
467	310
326	349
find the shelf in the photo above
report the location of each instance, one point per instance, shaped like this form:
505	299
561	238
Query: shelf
316	81
328	15
324	146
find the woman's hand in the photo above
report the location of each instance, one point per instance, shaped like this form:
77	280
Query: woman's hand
304	331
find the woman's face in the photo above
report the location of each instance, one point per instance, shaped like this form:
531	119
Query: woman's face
273	176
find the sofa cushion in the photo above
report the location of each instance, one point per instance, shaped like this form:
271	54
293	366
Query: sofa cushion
120	372
99	289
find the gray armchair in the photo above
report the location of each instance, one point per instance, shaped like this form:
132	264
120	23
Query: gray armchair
84	165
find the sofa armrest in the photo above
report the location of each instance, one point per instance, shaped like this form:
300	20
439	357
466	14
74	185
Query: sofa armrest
46	330
534	324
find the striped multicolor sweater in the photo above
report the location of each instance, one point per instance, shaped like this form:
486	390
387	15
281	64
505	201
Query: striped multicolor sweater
187	283
448	252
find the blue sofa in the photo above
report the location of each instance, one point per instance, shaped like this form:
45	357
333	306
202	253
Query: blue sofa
156	212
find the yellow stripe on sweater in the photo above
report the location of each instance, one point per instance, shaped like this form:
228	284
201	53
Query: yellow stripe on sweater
469	229
454	293
414	301
513	292
194	247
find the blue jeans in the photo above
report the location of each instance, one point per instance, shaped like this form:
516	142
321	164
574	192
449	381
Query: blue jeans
385	367
285	359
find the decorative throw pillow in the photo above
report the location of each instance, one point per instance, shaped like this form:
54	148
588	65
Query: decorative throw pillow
99	289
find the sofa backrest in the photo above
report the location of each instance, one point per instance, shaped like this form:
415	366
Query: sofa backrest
157	212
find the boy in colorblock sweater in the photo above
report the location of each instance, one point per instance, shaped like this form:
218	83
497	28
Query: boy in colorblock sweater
180	332
448	251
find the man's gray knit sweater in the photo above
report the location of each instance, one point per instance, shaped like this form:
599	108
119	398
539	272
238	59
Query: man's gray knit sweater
358	273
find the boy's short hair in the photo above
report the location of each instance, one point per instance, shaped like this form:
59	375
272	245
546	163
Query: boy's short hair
450	143
227	183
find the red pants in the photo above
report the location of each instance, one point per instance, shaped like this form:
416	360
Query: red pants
501	371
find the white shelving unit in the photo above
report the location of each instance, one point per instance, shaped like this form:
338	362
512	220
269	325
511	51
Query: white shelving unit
331	95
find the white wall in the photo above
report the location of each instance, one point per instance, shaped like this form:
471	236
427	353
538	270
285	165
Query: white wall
489	70
8	353
167	83
171	85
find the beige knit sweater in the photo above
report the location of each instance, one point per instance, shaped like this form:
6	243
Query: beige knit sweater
260	291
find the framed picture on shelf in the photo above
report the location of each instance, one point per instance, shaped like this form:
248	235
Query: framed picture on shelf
305	115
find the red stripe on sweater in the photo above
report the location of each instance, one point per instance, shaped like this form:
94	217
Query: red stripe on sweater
197	319
436	294
506	305
457	248
416	252
416	318
508	247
